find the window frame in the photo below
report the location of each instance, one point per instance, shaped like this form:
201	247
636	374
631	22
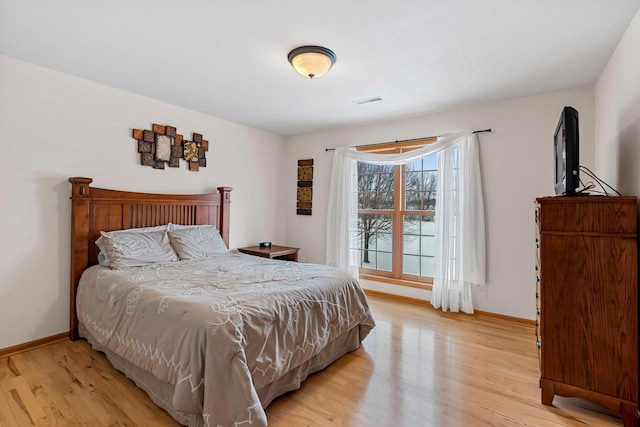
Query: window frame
396	275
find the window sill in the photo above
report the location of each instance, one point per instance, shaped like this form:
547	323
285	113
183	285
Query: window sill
394	281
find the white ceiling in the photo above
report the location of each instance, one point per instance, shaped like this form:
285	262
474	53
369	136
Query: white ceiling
229	58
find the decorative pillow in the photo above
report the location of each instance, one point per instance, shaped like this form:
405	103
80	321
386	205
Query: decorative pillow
133	249
196	241
102	257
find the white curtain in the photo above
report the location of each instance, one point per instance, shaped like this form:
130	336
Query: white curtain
460	243
454	273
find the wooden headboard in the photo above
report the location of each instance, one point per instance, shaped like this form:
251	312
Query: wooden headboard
95	209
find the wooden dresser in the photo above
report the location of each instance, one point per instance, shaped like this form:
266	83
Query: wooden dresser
587	300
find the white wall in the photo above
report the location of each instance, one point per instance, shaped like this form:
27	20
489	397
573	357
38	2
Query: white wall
617	106
54	126
517	165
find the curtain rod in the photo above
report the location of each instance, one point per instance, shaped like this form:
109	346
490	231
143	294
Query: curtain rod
404	140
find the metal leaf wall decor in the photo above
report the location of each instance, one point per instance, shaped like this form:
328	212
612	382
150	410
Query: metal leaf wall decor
163	145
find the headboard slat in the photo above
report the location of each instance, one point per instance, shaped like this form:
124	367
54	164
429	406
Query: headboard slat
97	209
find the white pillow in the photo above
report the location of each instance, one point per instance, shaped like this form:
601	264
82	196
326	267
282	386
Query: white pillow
134	249
173	226
102	257
196	241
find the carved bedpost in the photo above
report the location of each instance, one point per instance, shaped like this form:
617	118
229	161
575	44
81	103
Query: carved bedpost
79	243
225	204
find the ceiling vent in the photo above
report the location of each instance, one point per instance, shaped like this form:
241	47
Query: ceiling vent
368	100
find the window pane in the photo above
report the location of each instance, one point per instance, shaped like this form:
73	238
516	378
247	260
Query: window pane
366	222
411	245
431	162
384	200
383	242
426	266
428	226
429	180
411	238
416	165
412	180
429	200
411	224
412	201
418	245
375	186
374	241
384	261
428	246
411	264
420	178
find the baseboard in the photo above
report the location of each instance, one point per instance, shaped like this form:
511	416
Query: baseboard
20	348
428	304
527	322
395	297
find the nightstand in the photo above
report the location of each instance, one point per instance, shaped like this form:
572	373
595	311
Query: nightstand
284	253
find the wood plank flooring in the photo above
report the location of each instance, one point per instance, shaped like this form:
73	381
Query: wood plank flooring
419	367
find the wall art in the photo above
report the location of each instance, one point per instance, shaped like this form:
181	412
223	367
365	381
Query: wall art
163	145
305	187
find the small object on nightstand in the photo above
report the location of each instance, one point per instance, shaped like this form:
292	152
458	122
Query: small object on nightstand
265	244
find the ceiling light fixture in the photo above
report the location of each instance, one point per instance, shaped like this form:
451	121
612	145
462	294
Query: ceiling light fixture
312	61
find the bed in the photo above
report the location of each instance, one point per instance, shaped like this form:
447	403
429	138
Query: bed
212	339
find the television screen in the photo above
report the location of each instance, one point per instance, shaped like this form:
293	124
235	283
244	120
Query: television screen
567	159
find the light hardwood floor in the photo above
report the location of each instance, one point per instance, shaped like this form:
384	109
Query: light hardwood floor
419	367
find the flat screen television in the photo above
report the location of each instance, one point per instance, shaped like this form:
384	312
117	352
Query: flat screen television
566	143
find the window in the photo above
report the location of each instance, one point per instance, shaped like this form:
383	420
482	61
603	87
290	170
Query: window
395	239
